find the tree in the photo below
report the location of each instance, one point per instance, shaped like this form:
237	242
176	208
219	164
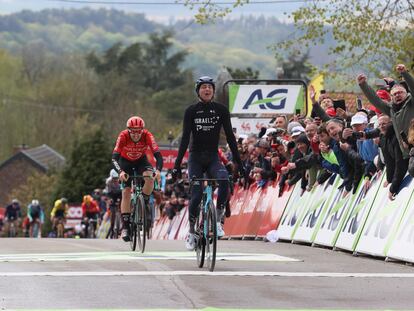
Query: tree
89	164
367	32
296	66
246	73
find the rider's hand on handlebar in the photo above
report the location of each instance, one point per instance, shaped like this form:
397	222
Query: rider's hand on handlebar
123	176
176	173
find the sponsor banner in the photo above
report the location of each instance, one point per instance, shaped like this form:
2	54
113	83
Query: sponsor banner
337	211
158	227
357	215
274	212
184	226
249	204
248	99
311	218
168	156
236	206
402	246
295	207
176	224
73	216
249	126
383	220
264	202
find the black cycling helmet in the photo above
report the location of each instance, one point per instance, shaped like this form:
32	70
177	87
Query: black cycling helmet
203	80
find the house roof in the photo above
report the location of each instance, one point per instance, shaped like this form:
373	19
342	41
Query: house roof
43	156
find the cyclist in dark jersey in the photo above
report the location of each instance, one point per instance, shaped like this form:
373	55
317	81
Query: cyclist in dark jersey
203	122
129	154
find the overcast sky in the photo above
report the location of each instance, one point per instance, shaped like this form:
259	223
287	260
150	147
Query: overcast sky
161	13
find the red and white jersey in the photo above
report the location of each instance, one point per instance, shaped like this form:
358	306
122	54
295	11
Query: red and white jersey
133	151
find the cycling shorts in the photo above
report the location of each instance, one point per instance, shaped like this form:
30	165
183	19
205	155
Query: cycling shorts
140	166
60	213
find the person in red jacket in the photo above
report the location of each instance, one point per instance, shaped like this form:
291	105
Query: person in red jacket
90	210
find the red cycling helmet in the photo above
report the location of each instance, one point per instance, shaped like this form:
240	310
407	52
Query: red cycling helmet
135	122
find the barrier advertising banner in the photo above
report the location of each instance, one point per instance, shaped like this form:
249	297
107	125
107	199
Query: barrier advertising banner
402	246
274	212
236	204
253	99
384	219
295	206
311	219
333	218
248	126
357	215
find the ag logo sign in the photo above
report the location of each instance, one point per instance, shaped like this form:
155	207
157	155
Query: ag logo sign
247	99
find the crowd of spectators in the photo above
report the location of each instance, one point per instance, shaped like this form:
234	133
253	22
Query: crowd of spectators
335	140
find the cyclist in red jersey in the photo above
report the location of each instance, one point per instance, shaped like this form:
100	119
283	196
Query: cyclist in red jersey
129	154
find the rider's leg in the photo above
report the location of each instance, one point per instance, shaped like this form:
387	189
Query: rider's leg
194	170
148	185
217	170
126	207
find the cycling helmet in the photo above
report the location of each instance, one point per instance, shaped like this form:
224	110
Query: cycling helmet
35	202
64	200
135	122
113	174
87	199
15	201
203	80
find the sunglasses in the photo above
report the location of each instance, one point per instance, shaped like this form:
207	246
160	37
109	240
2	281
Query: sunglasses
136	131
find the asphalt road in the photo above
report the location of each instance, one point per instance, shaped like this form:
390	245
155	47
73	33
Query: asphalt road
104	274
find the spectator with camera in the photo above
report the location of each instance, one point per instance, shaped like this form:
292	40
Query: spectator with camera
351	165
401	107
366	147
262	170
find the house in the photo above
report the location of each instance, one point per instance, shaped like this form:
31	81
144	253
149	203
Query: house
15	170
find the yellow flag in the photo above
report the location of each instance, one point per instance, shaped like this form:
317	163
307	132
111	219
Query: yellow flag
317	83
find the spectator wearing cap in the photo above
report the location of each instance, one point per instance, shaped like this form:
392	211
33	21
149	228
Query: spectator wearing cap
401	107
262	170
351	165
298	168
367	148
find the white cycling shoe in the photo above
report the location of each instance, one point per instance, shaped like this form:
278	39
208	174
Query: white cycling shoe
190	242
220	231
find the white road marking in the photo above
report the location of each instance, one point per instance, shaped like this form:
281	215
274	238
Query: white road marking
207	273
99	256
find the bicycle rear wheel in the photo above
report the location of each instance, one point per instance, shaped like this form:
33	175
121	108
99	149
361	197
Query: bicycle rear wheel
142	223
201	241
211	239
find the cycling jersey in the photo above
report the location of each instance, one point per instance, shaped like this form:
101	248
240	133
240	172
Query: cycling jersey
13	211
91	208
132	151
59	209
203	122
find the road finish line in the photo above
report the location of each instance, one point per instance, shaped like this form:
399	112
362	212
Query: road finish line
207	273
108	256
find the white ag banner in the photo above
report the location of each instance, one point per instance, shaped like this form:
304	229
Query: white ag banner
384	220
357	215
248	126
402	246
310	221
247	99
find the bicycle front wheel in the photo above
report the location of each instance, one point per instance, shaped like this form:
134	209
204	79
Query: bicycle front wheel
133	225
142	223
201	241
211	239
